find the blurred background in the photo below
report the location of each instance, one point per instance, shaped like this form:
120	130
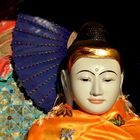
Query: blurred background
121	20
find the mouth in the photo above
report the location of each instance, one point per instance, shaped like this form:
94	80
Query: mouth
96	101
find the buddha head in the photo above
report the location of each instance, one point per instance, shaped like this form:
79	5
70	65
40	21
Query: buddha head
94	73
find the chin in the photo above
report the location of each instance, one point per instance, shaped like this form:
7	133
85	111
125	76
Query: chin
97	112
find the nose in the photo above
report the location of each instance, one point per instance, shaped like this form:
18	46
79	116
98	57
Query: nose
96	88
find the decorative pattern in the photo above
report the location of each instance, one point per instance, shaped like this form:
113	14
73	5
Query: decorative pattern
118	120
66	134
5	68
16	113
6	28
61	110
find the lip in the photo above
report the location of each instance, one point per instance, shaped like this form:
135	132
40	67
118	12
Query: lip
96	101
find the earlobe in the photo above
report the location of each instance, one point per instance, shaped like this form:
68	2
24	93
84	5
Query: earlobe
122	77
66	87
64	80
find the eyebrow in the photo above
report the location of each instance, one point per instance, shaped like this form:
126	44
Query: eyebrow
85	71
108	71
99	74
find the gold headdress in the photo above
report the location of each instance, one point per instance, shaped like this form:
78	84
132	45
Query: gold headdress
92	41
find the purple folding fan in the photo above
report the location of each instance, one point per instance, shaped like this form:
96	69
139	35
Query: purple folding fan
38	47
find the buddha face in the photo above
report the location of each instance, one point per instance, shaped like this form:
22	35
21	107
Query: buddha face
95	83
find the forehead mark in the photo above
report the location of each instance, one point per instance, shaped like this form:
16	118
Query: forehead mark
96	69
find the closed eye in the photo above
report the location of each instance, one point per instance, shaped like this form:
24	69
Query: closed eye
85	79
108	80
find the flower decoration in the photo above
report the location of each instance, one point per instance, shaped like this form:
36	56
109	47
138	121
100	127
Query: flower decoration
60	110
66	134
118	120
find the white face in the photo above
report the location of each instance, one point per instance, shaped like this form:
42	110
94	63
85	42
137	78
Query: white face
95	84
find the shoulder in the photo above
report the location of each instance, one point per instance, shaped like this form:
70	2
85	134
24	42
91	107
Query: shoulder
45	124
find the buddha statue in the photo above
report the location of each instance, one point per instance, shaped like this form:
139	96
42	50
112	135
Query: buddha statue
95	107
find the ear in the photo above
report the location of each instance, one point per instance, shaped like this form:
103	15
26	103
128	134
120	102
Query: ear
66	87
122	77
72	37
